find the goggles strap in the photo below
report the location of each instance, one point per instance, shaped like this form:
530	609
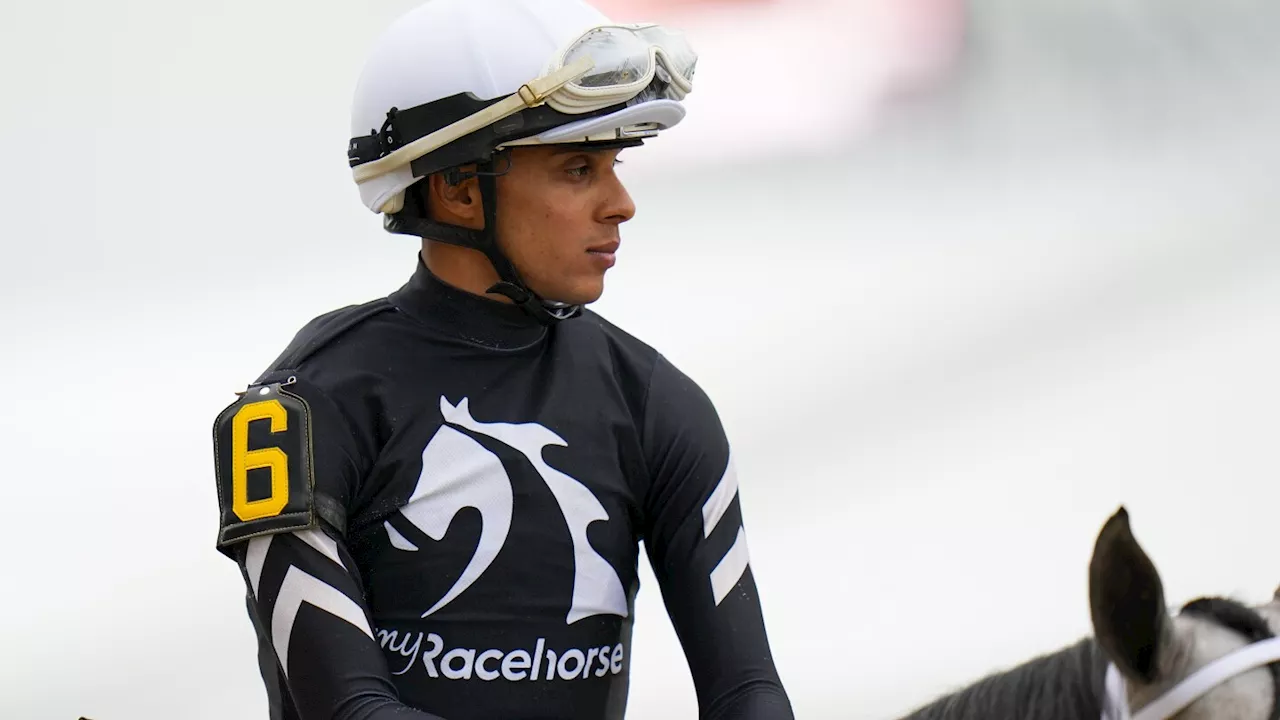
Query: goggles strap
531	94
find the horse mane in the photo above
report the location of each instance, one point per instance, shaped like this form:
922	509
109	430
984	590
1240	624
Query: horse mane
1064	685
1231	614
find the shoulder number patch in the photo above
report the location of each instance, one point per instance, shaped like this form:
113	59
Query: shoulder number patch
262	455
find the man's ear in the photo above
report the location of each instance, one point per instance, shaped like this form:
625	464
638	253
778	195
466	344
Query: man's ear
458	204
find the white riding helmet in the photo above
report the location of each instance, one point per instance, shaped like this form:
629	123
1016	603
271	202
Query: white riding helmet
452	82
447	59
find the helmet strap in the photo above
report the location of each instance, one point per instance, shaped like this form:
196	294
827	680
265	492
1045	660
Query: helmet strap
413	220
511	285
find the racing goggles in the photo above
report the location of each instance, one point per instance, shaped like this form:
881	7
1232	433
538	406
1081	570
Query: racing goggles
606	66
627	59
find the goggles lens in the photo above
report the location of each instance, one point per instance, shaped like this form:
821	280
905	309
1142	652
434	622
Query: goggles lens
626	55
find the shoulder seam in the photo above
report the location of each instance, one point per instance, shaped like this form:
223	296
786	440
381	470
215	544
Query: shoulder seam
644	425
648	388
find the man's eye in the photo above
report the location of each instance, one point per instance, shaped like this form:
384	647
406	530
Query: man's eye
579	171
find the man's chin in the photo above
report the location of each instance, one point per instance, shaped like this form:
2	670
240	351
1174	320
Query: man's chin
585	299
581	295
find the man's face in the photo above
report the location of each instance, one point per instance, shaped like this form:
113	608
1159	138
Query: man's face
559	209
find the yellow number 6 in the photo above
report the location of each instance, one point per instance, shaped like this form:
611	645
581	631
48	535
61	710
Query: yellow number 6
243	460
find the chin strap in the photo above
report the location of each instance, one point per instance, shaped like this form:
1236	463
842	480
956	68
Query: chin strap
534	305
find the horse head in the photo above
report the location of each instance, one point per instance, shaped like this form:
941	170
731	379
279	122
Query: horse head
1215	658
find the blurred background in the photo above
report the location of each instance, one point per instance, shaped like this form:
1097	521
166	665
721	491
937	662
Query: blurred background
961	276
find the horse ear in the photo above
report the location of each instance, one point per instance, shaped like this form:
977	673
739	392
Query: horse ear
1126	601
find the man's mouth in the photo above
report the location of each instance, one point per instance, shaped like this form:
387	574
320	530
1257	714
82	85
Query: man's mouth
605	253
609	248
